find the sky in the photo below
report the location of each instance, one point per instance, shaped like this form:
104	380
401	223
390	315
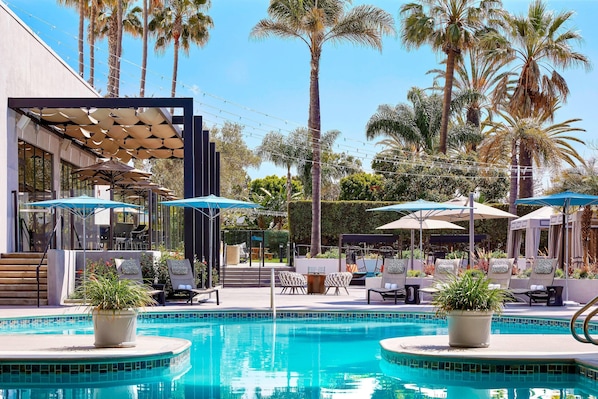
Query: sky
264	84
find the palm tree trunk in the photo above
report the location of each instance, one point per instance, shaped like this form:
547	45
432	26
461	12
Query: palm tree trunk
92	41
112	55
119	45
446	102
144	50
316	177
81	33
289	186
175	68
526	188
514	179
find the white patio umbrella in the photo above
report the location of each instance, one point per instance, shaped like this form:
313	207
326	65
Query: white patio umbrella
478	211
210	206
419	210
409	222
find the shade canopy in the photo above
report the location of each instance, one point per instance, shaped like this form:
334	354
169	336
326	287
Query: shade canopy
82	206
422	209
480	211
564	199
212	203
409	223
110	172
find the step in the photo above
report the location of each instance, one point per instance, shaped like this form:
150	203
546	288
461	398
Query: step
21	294
13	267
29	255
22	261
23	302
22	287
22	280
20	275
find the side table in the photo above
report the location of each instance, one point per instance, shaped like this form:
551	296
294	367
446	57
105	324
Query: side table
412	294
315	283
555	295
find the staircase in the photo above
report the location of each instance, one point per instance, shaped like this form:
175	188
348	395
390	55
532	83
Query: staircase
255	276
18	283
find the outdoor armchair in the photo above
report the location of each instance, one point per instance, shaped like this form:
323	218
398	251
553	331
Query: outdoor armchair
183	280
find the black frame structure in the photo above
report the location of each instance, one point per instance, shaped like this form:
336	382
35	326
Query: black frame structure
201	161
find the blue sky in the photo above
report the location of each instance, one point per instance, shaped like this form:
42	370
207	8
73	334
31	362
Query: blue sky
263	85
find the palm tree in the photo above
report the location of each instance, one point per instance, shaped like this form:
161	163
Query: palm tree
416	127
316	22
539	41
81	6
109	25
449	26
182	23
284	152
534	139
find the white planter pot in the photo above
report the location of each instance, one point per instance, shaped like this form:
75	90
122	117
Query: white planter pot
469	329
115	329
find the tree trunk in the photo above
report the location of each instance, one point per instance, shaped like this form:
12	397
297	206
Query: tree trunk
92	42
314	129
446	102
175	68
289	186
112	55
119	46
514	180
81	33
526	187
144	50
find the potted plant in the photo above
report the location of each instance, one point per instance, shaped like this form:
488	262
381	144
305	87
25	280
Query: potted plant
114	305
468	302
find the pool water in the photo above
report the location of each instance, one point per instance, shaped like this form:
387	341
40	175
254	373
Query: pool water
302	358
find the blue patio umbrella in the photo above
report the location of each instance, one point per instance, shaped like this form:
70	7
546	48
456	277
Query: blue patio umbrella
563	200
83	206
210	206
419	210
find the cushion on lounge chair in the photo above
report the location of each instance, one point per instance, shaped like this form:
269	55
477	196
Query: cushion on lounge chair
500	266
395	267
129	267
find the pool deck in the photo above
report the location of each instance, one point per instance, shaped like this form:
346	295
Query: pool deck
534	347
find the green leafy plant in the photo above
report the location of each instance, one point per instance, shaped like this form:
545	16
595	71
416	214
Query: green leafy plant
469	292
112	293
415	273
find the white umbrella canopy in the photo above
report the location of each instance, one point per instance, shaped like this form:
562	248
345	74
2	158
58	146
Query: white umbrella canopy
480	211
410	223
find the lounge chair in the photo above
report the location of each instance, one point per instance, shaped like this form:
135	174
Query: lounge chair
131	269
183	280
338	280
393	280
500	271
542	277
292	281
444	271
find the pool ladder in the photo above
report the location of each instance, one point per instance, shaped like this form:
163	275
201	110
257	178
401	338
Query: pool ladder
586	323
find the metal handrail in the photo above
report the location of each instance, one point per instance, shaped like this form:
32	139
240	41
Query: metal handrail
586	323
48	243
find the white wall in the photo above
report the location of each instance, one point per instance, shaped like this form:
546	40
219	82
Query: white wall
29	68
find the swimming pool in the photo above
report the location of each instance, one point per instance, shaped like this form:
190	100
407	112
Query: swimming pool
311	355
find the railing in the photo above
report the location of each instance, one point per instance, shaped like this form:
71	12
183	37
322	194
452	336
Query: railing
586	323
48	243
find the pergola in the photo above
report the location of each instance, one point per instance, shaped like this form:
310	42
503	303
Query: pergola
137	128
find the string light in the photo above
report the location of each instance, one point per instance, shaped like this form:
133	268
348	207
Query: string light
226	111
